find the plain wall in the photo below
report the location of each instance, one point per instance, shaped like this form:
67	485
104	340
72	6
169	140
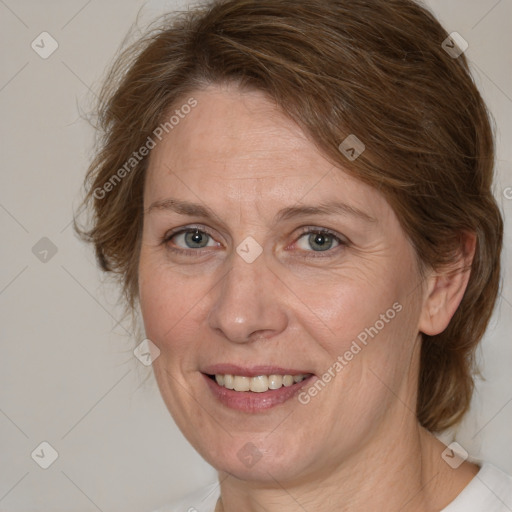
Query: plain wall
67	372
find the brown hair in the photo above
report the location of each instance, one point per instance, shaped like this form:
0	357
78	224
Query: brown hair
376	69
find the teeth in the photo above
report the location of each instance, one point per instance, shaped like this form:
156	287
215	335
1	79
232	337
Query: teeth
287	380
229	381
242	383
275	381
258	384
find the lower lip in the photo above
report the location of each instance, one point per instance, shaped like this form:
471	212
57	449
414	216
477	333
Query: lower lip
249	401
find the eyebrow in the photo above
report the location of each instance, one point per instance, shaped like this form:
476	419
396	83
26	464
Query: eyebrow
288	213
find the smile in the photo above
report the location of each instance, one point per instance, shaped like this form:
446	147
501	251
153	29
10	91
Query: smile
258	384
256	393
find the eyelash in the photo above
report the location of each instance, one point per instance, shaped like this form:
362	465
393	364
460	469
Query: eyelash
304	231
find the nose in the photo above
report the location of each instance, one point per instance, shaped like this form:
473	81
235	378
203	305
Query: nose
248	302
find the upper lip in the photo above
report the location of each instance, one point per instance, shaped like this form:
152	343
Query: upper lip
251	371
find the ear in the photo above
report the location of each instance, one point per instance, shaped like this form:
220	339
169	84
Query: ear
446	288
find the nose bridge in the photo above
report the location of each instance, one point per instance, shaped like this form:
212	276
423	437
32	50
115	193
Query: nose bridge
246	304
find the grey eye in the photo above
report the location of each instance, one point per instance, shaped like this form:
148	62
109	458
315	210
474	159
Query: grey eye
318	242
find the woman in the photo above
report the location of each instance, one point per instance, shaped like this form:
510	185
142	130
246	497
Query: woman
297	195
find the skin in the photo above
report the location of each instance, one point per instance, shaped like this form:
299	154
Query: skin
355	446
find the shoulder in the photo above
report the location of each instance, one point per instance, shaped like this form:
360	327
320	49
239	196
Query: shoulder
489	491
202	500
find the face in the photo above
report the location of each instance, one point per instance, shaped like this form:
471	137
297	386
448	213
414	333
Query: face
261	258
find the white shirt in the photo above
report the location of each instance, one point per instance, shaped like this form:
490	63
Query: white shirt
489	491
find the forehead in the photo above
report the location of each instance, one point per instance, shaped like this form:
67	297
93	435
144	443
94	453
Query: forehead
229	125
239	145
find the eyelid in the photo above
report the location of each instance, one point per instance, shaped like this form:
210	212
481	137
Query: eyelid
184	229
326	231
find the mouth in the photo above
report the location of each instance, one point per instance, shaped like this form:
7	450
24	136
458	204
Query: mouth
254	390
257	384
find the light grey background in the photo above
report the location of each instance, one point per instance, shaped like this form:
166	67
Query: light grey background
67	372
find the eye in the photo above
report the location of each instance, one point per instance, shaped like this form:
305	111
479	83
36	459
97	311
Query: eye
189	238
319	239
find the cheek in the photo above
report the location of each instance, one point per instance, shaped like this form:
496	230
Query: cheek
163	304
370	347
173	306
366	326
344	306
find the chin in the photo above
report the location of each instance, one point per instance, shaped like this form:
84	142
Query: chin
258	459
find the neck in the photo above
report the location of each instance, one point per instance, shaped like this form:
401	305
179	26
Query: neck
403	471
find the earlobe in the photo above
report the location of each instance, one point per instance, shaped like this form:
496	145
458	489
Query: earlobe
445	290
